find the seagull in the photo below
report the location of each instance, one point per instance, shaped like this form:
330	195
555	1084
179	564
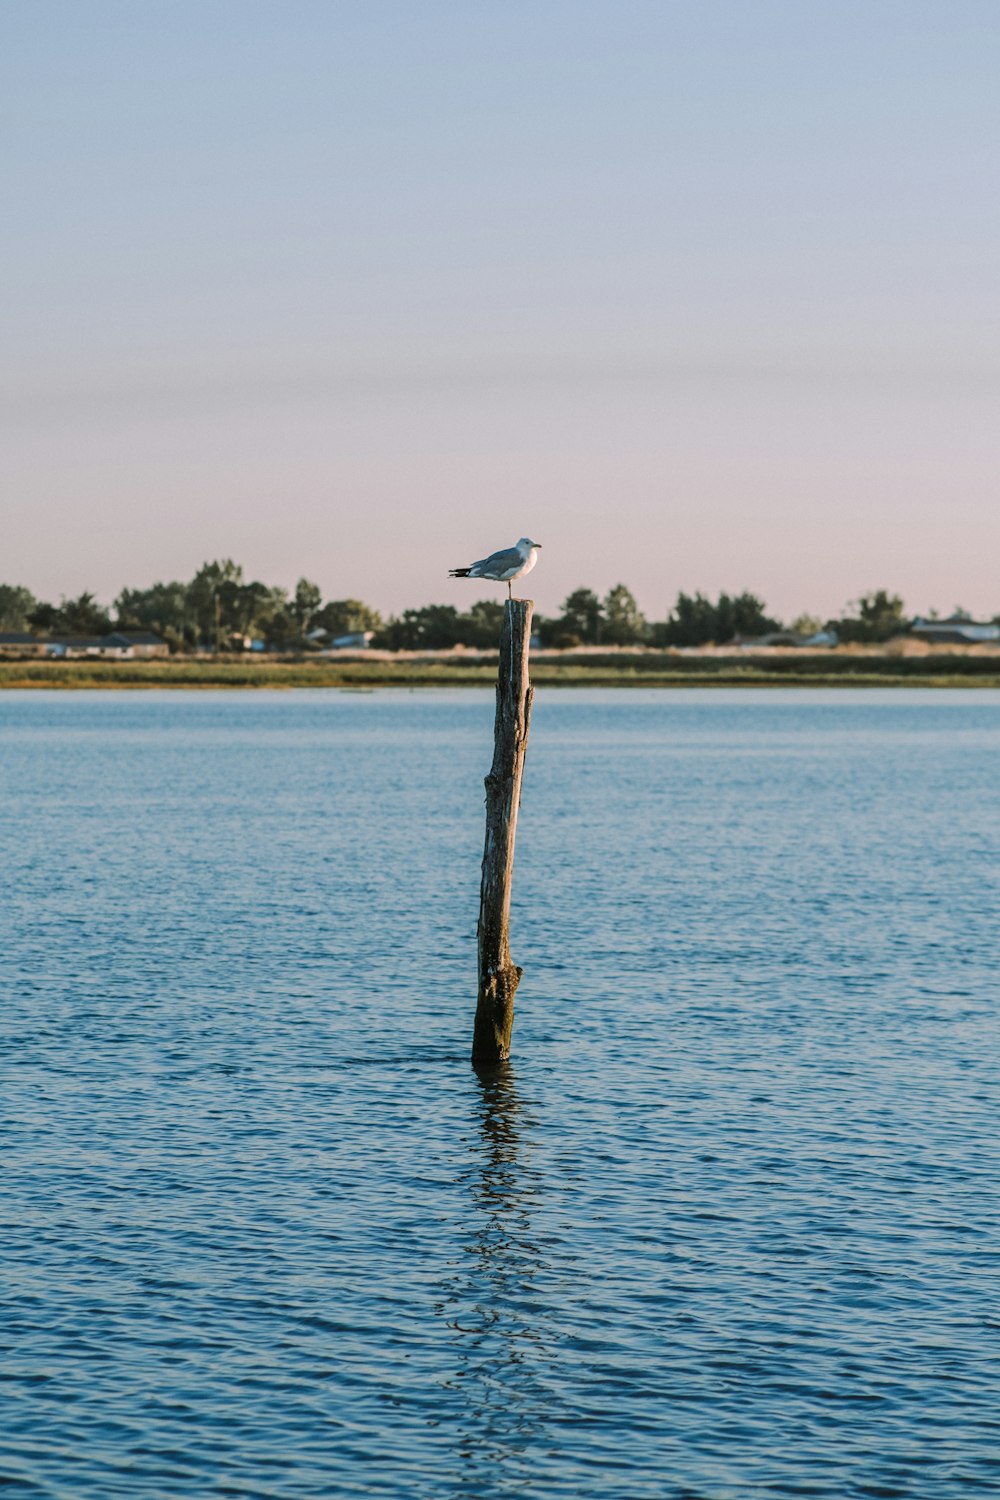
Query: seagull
505	566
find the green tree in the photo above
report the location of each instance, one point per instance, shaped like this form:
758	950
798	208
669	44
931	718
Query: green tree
16	606
80	616
877	617
691	622
742	615
696	621
307	601
164	608
480	628
275	618
547	629
211	596
436	627
582	616
348	617
624	622
247	606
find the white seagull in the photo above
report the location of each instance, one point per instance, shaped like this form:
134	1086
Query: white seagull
503	567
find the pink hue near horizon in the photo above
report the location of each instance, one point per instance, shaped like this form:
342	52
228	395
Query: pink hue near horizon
701	295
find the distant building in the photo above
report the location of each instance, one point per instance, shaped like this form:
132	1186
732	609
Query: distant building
354	640
20	643
818	640
357	640
144	643
74	646
118	645
956	631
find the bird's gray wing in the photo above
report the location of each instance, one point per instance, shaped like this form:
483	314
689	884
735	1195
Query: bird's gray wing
498	562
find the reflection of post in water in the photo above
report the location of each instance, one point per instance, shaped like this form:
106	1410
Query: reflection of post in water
500	1188
493	1310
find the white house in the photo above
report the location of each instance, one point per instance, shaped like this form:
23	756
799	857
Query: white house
956	631
357	640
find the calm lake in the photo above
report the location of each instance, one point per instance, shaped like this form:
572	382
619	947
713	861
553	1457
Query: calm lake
728	1225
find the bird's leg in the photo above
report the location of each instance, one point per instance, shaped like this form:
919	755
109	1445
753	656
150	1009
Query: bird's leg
510	593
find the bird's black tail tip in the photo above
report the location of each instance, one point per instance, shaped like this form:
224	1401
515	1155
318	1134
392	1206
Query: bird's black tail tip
458	572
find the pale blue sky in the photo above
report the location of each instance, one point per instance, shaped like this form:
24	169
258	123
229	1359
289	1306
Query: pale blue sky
702	295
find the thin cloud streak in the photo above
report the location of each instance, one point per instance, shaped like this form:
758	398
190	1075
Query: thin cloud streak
177	392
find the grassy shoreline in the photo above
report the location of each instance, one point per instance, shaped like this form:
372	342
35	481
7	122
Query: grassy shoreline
652	669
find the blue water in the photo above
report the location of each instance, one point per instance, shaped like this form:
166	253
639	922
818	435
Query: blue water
728	1226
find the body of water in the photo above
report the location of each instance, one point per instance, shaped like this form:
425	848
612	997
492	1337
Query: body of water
728	1224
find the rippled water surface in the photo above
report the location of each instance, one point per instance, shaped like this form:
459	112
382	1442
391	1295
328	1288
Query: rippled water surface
726	1227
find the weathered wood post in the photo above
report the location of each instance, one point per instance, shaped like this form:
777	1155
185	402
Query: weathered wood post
498	977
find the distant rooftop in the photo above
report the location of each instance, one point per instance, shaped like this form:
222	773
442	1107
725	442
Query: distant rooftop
957	629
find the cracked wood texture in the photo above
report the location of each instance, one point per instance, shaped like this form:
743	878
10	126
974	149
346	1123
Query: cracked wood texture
498	976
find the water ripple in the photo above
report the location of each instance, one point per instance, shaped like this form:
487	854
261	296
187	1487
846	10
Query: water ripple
727	1227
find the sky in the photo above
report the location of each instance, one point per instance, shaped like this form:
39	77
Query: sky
700	294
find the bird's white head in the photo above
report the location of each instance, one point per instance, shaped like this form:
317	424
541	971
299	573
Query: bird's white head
526	544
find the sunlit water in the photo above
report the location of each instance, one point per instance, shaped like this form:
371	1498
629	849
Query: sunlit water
728	1225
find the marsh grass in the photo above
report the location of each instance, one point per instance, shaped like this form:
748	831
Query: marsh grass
649	669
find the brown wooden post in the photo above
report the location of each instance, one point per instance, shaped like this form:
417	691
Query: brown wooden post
498	977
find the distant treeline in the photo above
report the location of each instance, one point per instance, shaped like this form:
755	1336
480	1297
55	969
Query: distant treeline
220	610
